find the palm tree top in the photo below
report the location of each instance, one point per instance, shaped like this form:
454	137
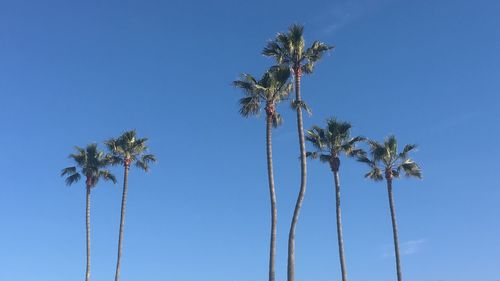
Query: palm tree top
289	49
272	88
92	163
128	148
333	140
386	159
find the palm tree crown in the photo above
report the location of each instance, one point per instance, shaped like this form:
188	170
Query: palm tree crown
128	149
386	161
92	164
272	88
332	141
289	49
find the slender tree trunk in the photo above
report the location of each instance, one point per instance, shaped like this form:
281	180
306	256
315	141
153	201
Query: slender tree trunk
272	193
394	228
122	219
87	221
339	227
303	174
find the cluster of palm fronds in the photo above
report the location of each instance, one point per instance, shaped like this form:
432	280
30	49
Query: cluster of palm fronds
293	59
93	164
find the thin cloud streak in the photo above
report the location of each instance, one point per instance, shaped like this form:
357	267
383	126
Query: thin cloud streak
406	248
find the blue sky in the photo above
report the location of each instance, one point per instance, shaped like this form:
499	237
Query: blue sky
73	73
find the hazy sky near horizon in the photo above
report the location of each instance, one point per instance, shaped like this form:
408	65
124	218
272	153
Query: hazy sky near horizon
73	73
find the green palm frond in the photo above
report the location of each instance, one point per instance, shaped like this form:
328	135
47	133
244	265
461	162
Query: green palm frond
375	174
249	106
410	168
296	104
107	175
325	158
68	171
408	148
73	178
277	120
312	154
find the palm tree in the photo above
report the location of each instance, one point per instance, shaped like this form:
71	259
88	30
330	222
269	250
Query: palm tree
90	163
329	144
126	150
271	89
288	49
387	162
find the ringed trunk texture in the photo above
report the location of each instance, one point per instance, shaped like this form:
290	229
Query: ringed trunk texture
272	193
122	220
339	227
87	221
303	174
394	229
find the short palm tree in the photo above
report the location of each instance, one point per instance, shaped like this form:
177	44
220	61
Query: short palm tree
288	49
270	90
329	143
91	164
386	162
126	150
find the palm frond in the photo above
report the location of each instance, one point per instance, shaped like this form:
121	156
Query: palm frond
107	175
375	174
411	169
277	120
300	104
72	179
68	170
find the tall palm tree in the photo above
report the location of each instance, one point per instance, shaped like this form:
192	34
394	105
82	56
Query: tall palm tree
90	163
329	144
271	89
386	162
126	150
288	49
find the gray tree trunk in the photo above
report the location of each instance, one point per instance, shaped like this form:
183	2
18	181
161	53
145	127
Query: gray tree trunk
303	174
122	222
394	229
87	221
272	193
339	227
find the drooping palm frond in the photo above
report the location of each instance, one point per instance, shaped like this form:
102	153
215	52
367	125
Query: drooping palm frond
410	168
296	104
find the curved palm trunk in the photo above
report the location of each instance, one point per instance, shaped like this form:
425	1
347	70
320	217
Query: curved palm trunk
87	221
339	227
122	221
394	229
303	173
272	192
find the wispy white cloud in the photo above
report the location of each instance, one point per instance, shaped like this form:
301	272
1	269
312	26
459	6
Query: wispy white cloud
343	12
406	248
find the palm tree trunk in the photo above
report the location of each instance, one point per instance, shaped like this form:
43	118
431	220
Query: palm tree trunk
274	213
87	221
122	221
303	173
394	229
339	227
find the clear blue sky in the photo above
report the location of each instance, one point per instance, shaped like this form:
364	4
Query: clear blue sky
73	73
